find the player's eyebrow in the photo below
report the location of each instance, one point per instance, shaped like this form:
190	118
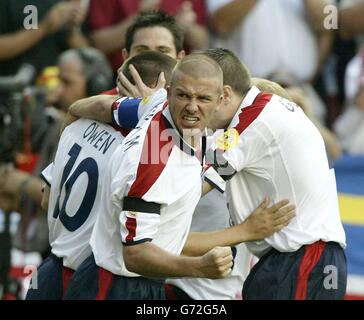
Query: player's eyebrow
164	48
141	46
181	90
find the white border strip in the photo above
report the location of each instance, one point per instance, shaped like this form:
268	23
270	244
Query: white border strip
355	285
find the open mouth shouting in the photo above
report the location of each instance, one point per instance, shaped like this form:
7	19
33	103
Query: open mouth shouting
189	121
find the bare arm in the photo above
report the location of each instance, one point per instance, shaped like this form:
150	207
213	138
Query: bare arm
325	42
228	17
76	39
197	37
149	260
315	9
14	44
96	108
351	20
262	223
325	37
110	39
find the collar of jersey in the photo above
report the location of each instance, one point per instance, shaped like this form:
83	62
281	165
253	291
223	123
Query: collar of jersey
247	101
177	139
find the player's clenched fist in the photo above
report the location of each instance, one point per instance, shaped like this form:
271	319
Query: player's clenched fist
216	263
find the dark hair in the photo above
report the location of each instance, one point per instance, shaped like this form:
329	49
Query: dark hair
154	19
149	65
235	73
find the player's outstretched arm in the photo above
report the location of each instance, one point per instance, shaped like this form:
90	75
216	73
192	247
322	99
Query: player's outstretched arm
95	108
262	223
149	260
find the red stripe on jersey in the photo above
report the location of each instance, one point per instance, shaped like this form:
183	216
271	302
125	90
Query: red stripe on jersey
67	273
249	114
105	280
149	171
131	225
309	260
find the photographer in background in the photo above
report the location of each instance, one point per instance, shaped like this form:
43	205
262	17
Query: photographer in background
82	72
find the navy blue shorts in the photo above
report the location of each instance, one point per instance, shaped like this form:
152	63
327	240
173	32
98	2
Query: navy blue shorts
52	280
91	282
175	293
314	272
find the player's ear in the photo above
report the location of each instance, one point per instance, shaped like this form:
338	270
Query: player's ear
168	88
181	55
125	54
227	94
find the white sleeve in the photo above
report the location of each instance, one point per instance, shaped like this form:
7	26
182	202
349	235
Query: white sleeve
213	178
47	174
139	221
213	5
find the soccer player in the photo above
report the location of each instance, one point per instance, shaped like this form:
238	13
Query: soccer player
203	221
75	177
279	152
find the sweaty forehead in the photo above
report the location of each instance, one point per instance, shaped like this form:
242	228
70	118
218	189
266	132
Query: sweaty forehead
196	67
196	85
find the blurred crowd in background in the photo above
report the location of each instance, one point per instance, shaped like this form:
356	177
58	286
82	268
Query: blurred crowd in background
313	48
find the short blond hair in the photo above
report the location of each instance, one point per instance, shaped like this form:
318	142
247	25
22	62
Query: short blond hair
270	87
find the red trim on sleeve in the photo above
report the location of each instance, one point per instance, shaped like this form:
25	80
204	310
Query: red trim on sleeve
309	260
131	225
249	114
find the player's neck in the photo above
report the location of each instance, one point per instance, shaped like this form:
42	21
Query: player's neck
234	105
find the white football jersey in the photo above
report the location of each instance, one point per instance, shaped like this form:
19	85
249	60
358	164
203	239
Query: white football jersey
276	151
76	178
151	189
